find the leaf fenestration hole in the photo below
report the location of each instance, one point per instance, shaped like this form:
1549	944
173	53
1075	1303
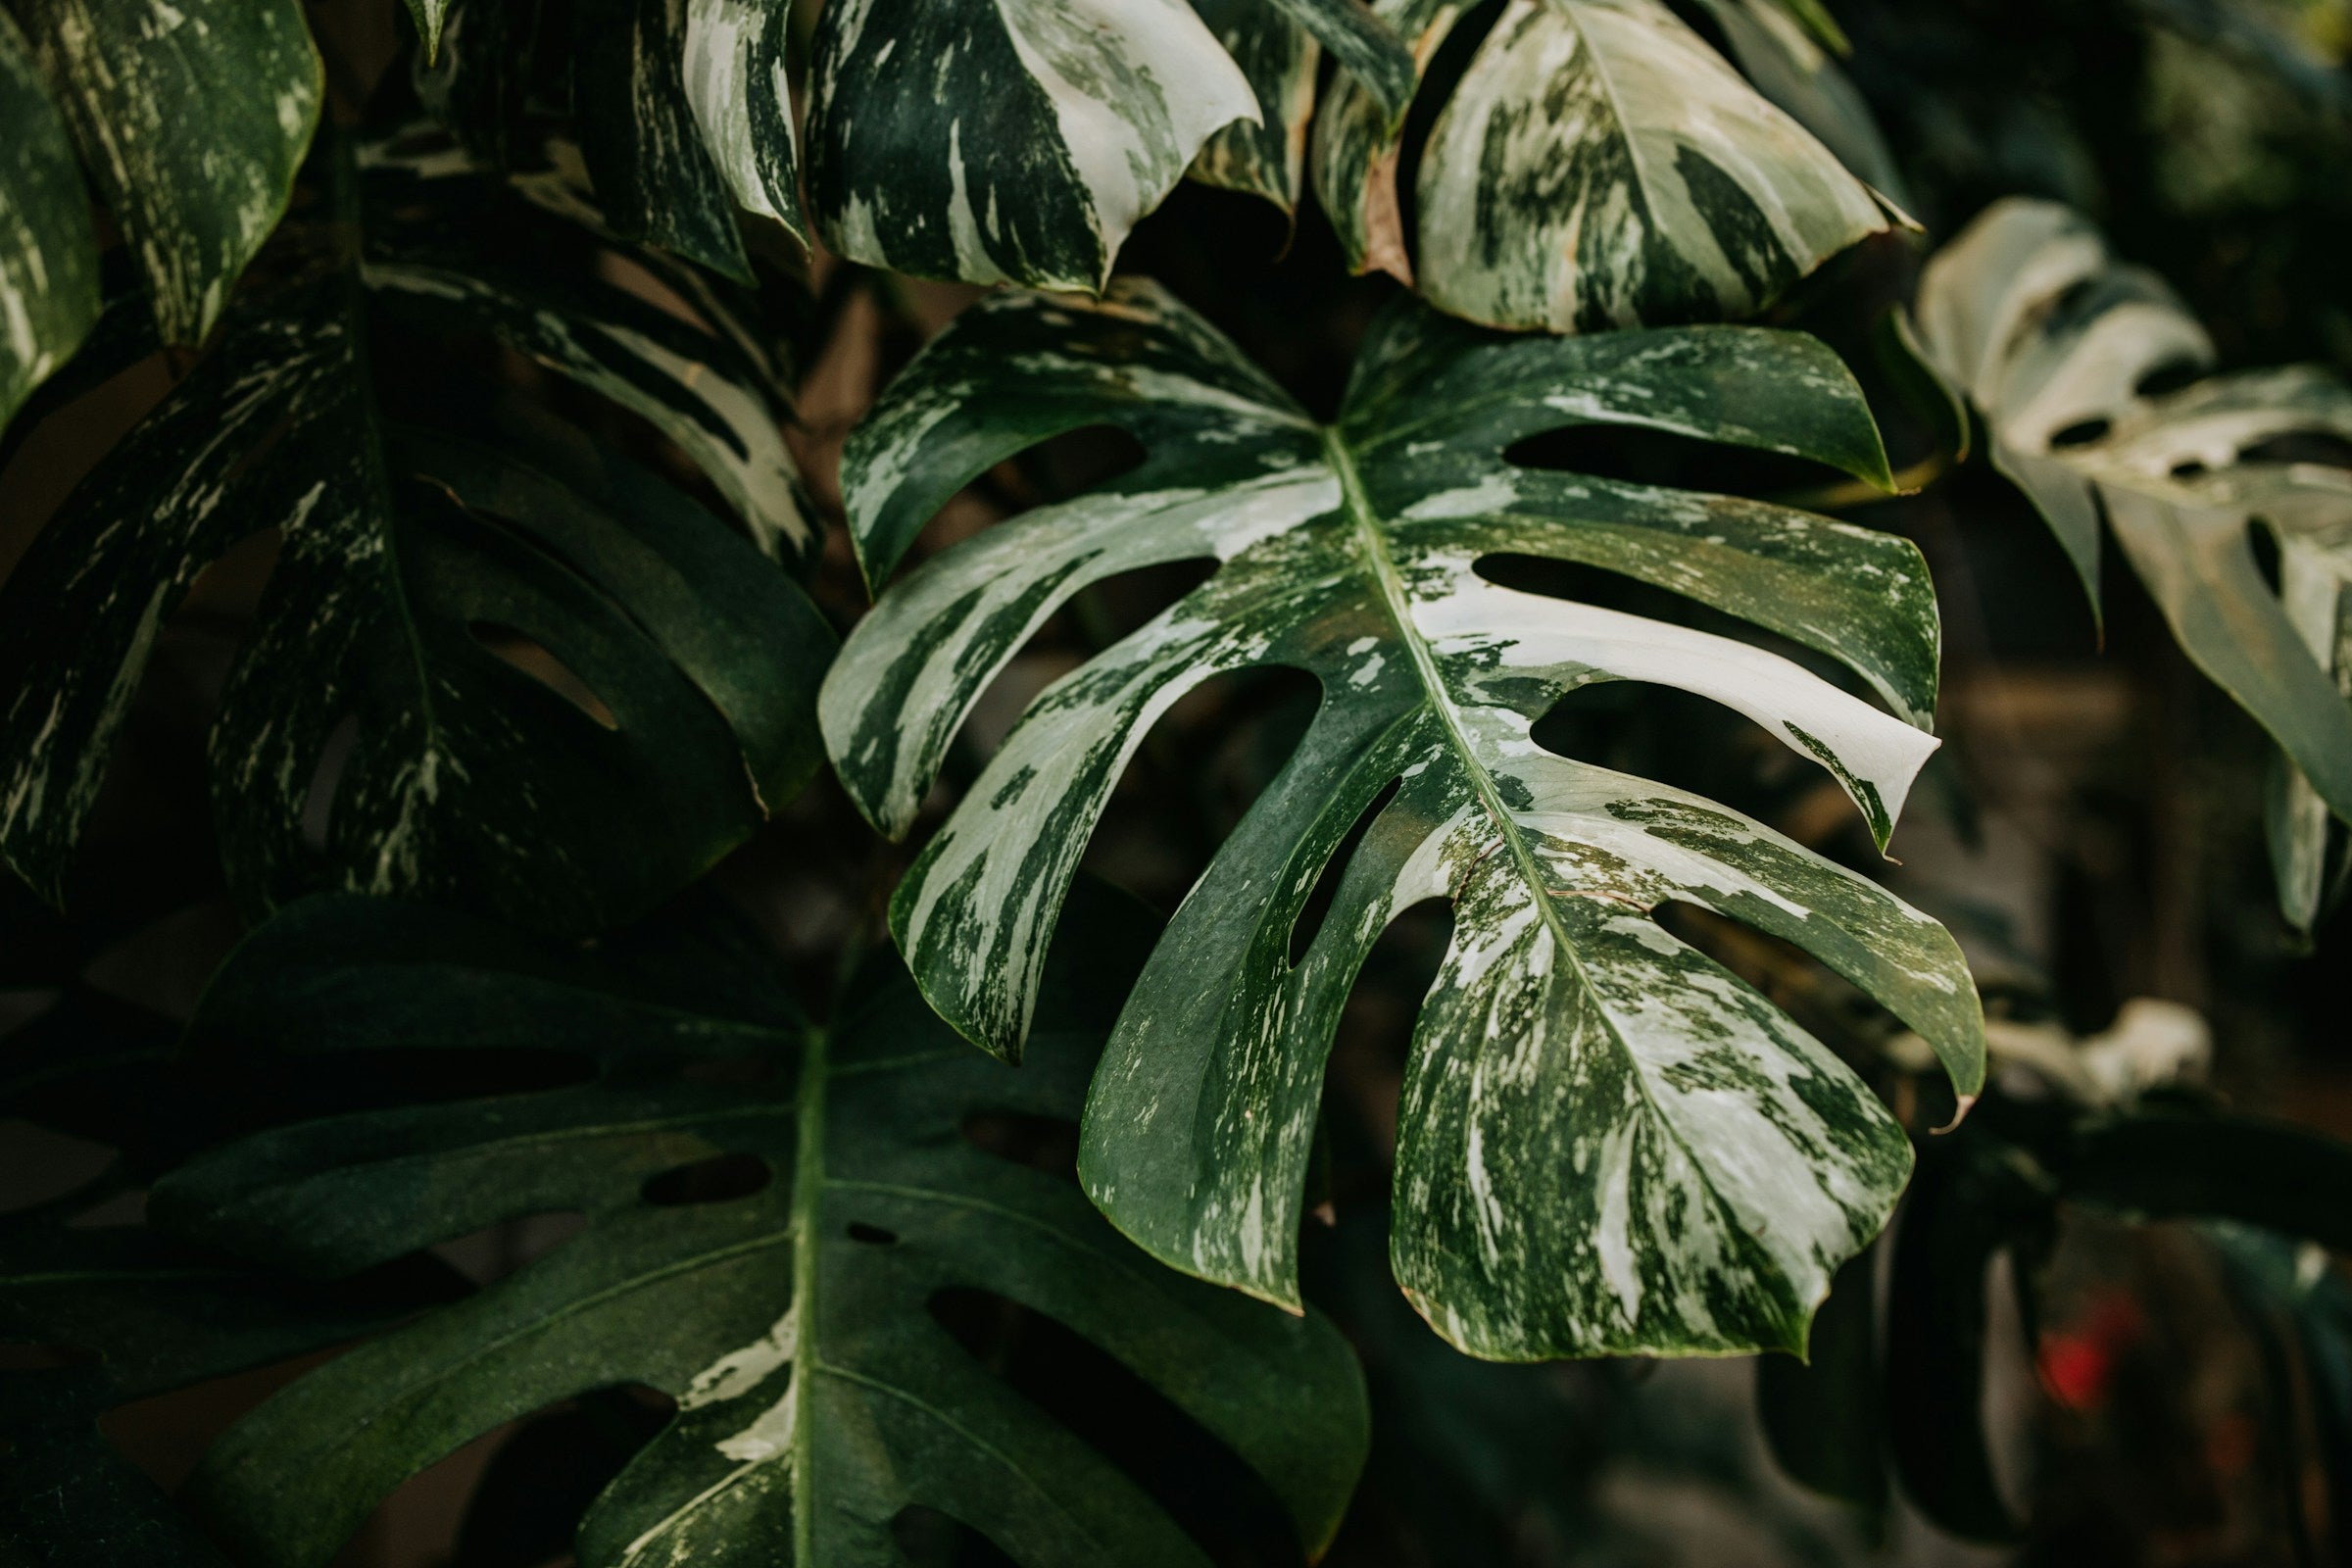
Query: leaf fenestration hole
1635	455
1217	1499
497	1250
871	1234
720	1179
930	1538
326	778
1318	908
2168	376
2265	545
2325	447
737	1071
1047	1144
532	659
2083	432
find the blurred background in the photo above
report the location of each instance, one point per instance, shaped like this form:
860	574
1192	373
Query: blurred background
2165	1394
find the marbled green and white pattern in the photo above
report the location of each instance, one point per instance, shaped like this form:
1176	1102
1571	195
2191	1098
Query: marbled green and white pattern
1609	1144
2053	339
1358	143
646	98
401	537
995	139
736	83
1020	140
48	246
1264	157
817	1397
191	116
1599	166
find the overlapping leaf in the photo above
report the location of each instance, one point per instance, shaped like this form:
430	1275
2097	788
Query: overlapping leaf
48	246
197	171
1022	139
817	1395
1598	165
1607	1143
418	529
2054	341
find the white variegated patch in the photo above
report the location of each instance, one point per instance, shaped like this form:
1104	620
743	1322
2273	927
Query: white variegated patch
2053	340
1599	166
1096	110
1607	1143
735	80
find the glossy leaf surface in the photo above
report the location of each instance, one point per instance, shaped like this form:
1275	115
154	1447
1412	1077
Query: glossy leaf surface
788	1315
1609	1144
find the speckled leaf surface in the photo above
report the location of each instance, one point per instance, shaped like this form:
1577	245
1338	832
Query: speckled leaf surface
1607	1143
817	1395
191	117
2054	339
1596	166
48	246
413	535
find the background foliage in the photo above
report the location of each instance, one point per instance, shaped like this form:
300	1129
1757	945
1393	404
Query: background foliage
2152	1370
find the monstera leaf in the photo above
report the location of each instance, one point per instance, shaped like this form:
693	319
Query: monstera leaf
1597	164
817	1395
1022	139
2056	342
48	246
1609	1144
426	528
196	174
147	1315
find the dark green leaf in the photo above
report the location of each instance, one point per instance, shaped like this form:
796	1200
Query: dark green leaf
191	117
1969	1202
817	1395
48	248
1822	1414
412	531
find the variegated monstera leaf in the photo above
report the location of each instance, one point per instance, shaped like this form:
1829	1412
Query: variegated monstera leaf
196	174
1607	1143
785	1302
2054	341
1022	139
677	112
569	687
1598	165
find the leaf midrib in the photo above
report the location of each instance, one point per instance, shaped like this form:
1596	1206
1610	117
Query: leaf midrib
1372	542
